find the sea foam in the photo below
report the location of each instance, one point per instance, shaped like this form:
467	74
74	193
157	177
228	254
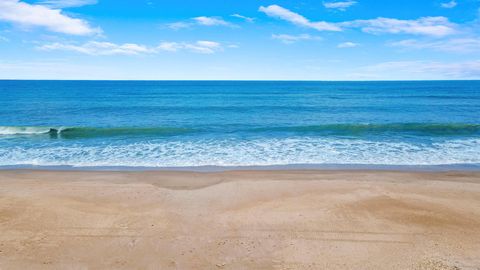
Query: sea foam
255	152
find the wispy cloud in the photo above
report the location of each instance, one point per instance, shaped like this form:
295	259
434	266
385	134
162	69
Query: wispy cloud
459	45
107	48
458	70
27	15
51	69
450	4
66	3
169	46
99	48
211	21
202	21
297	19
429	26
289	39
178	25
202	46
339	5
247	19
347	44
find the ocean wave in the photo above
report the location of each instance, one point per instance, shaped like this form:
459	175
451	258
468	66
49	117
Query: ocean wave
420	129
92	132
369	129
231	152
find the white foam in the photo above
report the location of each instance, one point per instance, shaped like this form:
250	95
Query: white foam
259	152
23	130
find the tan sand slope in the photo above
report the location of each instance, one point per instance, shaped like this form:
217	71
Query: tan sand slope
239	220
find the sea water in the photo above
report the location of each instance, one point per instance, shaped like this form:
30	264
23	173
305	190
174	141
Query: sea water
232	123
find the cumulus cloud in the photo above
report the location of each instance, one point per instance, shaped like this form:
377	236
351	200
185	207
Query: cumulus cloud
429	26
247	19
459	45
289	39
297	19
450	4
108	48
27	15
348	44
66	3
339	5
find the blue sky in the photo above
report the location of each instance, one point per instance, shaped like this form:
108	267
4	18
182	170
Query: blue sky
240	40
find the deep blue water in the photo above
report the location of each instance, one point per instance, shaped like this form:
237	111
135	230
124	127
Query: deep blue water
197	123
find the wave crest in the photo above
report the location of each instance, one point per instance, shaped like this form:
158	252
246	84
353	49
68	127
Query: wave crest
417	129
91	132
24	130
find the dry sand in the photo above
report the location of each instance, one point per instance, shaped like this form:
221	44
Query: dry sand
239	220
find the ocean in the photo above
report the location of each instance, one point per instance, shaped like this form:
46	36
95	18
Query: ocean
177	124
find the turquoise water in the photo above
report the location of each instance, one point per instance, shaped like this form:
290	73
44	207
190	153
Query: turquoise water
184	124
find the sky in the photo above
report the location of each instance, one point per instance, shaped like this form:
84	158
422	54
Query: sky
240	39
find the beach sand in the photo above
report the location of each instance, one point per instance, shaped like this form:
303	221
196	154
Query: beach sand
239	220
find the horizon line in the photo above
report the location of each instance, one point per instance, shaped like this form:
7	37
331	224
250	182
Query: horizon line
239	80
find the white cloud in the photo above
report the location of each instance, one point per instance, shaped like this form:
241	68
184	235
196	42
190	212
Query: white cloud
108	48
178	25
450	4
202	46
27	15
201	20
297	19
211	21
169	46
206	47
458	70
4	39
459	45
348	44
340	5
247	19
429	26
99	48
208	44
289	39
66	3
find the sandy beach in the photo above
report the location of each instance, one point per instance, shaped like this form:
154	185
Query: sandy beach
239	220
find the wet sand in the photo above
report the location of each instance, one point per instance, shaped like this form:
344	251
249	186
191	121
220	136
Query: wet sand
239	220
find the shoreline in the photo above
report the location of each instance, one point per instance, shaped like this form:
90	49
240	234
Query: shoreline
287	167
